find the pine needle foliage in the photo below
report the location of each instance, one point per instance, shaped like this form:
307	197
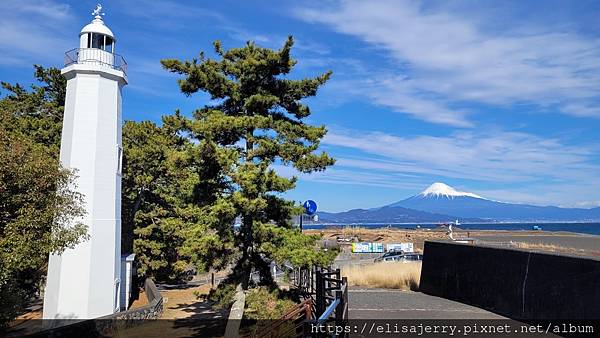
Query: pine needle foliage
39	209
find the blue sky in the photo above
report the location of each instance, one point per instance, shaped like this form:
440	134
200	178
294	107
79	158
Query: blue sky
497	98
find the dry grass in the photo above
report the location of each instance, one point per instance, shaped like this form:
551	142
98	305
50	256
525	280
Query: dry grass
389	275
353	230
554	248
539	246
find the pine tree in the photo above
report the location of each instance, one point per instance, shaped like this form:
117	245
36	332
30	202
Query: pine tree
168	182
257	122
36	114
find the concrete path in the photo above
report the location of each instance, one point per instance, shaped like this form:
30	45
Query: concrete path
395	304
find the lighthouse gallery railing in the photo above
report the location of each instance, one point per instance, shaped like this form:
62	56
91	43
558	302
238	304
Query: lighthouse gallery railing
95	56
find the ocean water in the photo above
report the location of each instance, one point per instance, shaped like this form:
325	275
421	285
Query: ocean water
584	228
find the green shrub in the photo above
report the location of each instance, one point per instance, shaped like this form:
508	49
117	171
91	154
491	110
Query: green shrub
222	296
264	304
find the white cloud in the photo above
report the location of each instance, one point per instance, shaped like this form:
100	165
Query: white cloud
47	9
566	196
504	166
539	170
344	176
31	31
585	204
446	57
400	95
494	156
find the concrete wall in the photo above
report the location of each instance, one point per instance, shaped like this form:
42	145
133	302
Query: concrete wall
515	283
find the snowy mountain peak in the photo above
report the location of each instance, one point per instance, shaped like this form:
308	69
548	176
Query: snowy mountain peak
442	190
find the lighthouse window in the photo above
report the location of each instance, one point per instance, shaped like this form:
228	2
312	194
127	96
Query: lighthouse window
108	44
98	41
89	40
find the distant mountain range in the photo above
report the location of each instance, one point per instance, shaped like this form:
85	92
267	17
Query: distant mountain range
387	214
442	203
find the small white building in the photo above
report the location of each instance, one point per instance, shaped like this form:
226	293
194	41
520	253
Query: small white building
85	282
127	267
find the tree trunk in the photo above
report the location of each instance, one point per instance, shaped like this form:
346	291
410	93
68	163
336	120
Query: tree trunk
138	201
246	251
247	220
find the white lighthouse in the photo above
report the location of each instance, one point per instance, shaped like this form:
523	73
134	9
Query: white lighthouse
84	282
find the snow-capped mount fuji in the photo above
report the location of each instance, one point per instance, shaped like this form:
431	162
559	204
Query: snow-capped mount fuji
442	203
442	190
440	198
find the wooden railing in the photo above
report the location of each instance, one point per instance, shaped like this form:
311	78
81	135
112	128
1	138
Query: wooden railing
332	299
303	279
329	291
327	281
290	324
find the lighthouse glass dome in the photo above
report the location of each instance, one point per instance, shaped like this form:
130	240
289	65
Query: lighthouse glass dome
96	47
99	41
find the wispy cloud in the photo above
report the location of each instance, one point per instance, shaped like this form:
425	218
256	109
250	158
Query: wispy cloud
351	176
31	28
494	156
445	58
549	170
44	8
398	93
567	196
585	204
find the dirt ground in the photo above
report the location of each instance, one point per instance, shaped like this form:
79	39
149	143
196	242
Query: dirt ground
557	242
35	314
180	303
184	314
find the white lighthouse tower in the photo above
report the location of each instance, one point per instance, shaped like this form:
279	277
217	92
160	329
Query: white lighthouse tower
84	282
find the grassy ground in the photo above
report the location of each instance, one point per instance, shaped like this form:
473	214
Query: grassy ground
389	275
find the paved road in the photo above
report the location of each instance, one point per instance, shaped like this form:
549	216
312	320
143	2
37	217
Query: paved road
395	304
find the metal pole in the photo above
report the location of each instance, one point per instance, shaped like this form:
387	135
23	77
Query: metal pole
339	309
